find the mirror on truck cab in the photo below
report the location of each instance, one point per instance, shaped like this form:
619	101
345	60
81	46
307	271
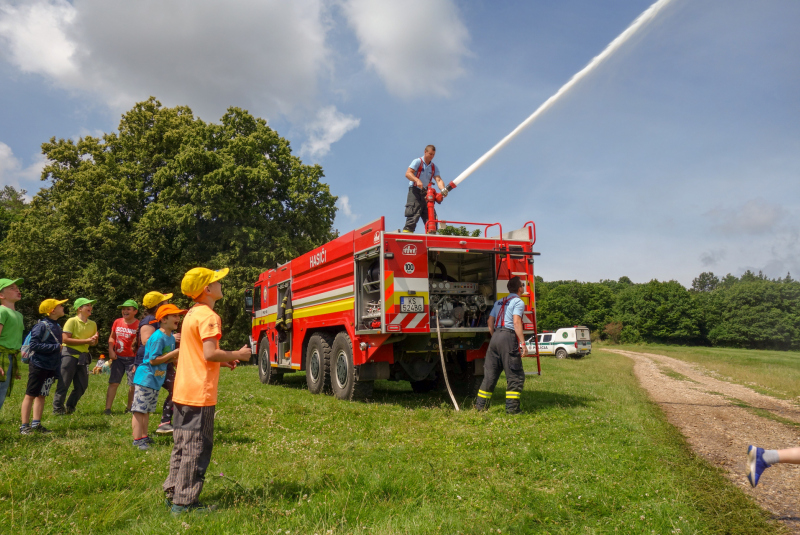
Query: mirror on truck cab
248	301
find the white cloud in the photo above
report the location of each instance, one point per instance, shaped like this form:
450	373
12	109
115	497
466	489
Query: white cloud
756	216
328	128
415	46
262	55
344	207
35	37
12	172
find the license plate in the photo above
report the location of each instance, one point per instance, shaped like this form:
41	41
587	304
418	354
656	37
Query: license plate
412	304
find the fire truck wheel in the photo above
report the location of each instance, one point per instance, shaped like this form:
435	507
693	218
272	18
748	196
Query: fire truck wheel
266	373
343	372
318	363
561	353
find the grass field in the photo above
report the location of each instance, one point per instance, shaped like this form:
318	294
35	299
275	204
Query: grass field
590	454
776	373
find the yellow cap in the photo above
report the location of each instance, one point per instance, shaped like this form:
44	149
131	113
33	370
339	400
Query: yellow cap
49	305
196	279
153	298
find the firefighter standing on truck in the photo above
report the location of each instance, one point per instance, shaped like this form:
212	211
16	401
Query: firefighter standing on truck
421	172
506	349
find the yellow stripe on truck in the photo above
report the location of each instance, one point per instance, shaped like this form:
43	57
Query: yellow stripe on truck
327	308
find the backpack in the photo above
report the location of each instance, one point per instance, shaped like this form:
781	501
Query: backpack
25	351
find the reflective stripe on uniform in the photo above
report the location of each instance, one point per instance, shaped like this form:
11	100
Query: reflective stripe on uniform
513	395
484	394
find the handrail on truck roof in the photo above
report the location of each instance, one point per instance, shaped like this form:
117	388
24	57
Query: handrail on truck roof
485	225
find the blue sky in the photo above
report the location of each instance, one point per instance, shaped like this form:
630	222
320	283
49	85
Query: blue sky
679	154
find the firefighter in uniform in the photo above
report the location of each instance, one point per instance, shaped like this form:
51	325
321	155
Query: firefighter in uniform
506	349
420	173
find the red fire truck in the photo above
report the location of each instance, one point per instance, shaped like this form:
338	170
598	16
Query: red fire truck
365	306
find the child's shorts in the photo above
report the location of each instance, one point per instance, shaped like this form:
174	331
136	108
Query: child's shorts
39	381
121	366
144	399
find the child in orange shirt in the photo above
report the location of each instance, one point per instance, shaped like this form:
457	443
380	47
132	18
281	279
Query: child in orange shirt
195	390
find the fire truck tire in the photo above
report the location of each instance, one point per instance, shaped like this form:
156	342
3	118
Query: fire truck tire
318	363
343	372
266	373
561	353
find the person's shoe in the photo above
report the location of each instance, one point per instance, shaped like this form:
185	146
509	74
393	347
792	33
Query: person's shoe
149	440
107	412
127	410
755	464
165	429
41	429
59	412
70	410
196	507
168	503
141	444
25	430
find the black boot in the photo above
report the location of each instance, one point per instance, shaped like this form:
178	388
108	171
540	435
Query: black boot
512	406
481	404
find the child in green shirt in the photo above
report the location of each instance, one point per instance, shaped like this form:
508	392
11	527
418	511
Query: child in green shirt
79	333
10	336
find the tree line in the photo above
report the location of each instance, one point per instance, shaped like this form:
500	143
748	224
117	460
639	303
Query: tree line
751	311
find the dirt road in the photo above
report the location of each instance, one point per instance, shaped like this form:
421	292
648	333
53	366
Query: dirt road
719	419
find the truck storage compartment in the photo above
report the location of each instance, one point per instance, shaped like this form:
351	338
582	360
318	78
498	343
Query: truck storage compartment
462	289
368	290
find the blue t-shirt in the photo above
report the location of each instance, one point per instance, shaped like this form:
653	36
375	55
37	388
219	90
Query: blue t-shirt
514	307
152	322
425	175
149	375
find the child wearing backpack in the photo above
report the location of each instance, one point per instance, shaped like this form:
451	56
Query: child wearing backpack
10	336
150	375
43	350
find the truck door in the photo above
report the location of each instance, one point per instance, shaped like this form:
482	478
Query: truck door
284	357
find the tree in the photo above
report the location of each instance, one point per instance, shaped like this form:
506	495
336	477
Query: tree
12	203
575	303
450	230
705	282
133	211
658	312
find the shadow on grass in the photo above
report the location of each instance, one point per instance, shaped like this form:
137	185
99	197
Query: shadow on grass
236	493
400	393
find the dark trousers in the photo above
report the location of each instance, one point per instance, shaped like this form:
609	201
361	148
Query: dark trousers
502	355
169	382
70	374
194	439
416	208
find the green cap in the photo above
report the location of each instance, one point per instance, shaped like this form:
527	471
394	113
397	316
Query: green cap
5	283
129	303
79	302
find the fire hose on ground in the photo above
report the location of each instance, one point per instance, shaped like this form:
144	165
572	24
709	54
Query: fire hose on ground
444	367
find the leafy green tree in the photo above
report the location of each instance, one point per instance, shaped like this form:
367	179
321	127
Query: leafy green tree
575	303
12	203
756	314
450	230
705	282
658	312
133	211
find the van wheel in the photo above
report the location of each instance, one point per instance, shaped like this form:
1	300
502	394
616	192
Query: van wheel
561	353
318	363
343	372
266	373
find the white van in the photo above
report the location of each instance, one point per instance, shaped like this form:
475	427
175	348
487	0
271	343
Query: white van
566	341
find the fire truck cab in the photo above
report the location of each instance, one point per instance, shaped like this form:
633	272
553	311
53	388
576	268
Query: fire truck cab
366	305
